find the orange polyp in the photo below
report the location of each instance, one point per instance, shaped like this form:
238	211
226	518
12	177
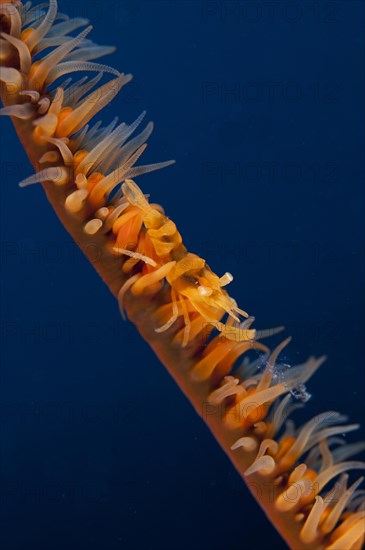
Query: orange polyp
311	475
130	263
143	284
98	195
127	215
258	413
205	367
134	231
285	445
252	414
38	135
128	234
148	249
79	157
33	69
239	349
326	512
226	365
93	180
64	114
26	33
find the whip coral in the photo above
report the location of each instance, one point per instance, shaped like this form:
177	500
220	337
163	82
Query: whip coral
179	305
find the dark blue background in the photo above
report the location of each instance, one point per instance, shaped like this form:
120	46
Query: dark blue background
99	449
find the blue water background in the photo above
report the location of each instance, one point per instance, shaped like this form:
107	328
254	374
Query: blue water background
262	106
